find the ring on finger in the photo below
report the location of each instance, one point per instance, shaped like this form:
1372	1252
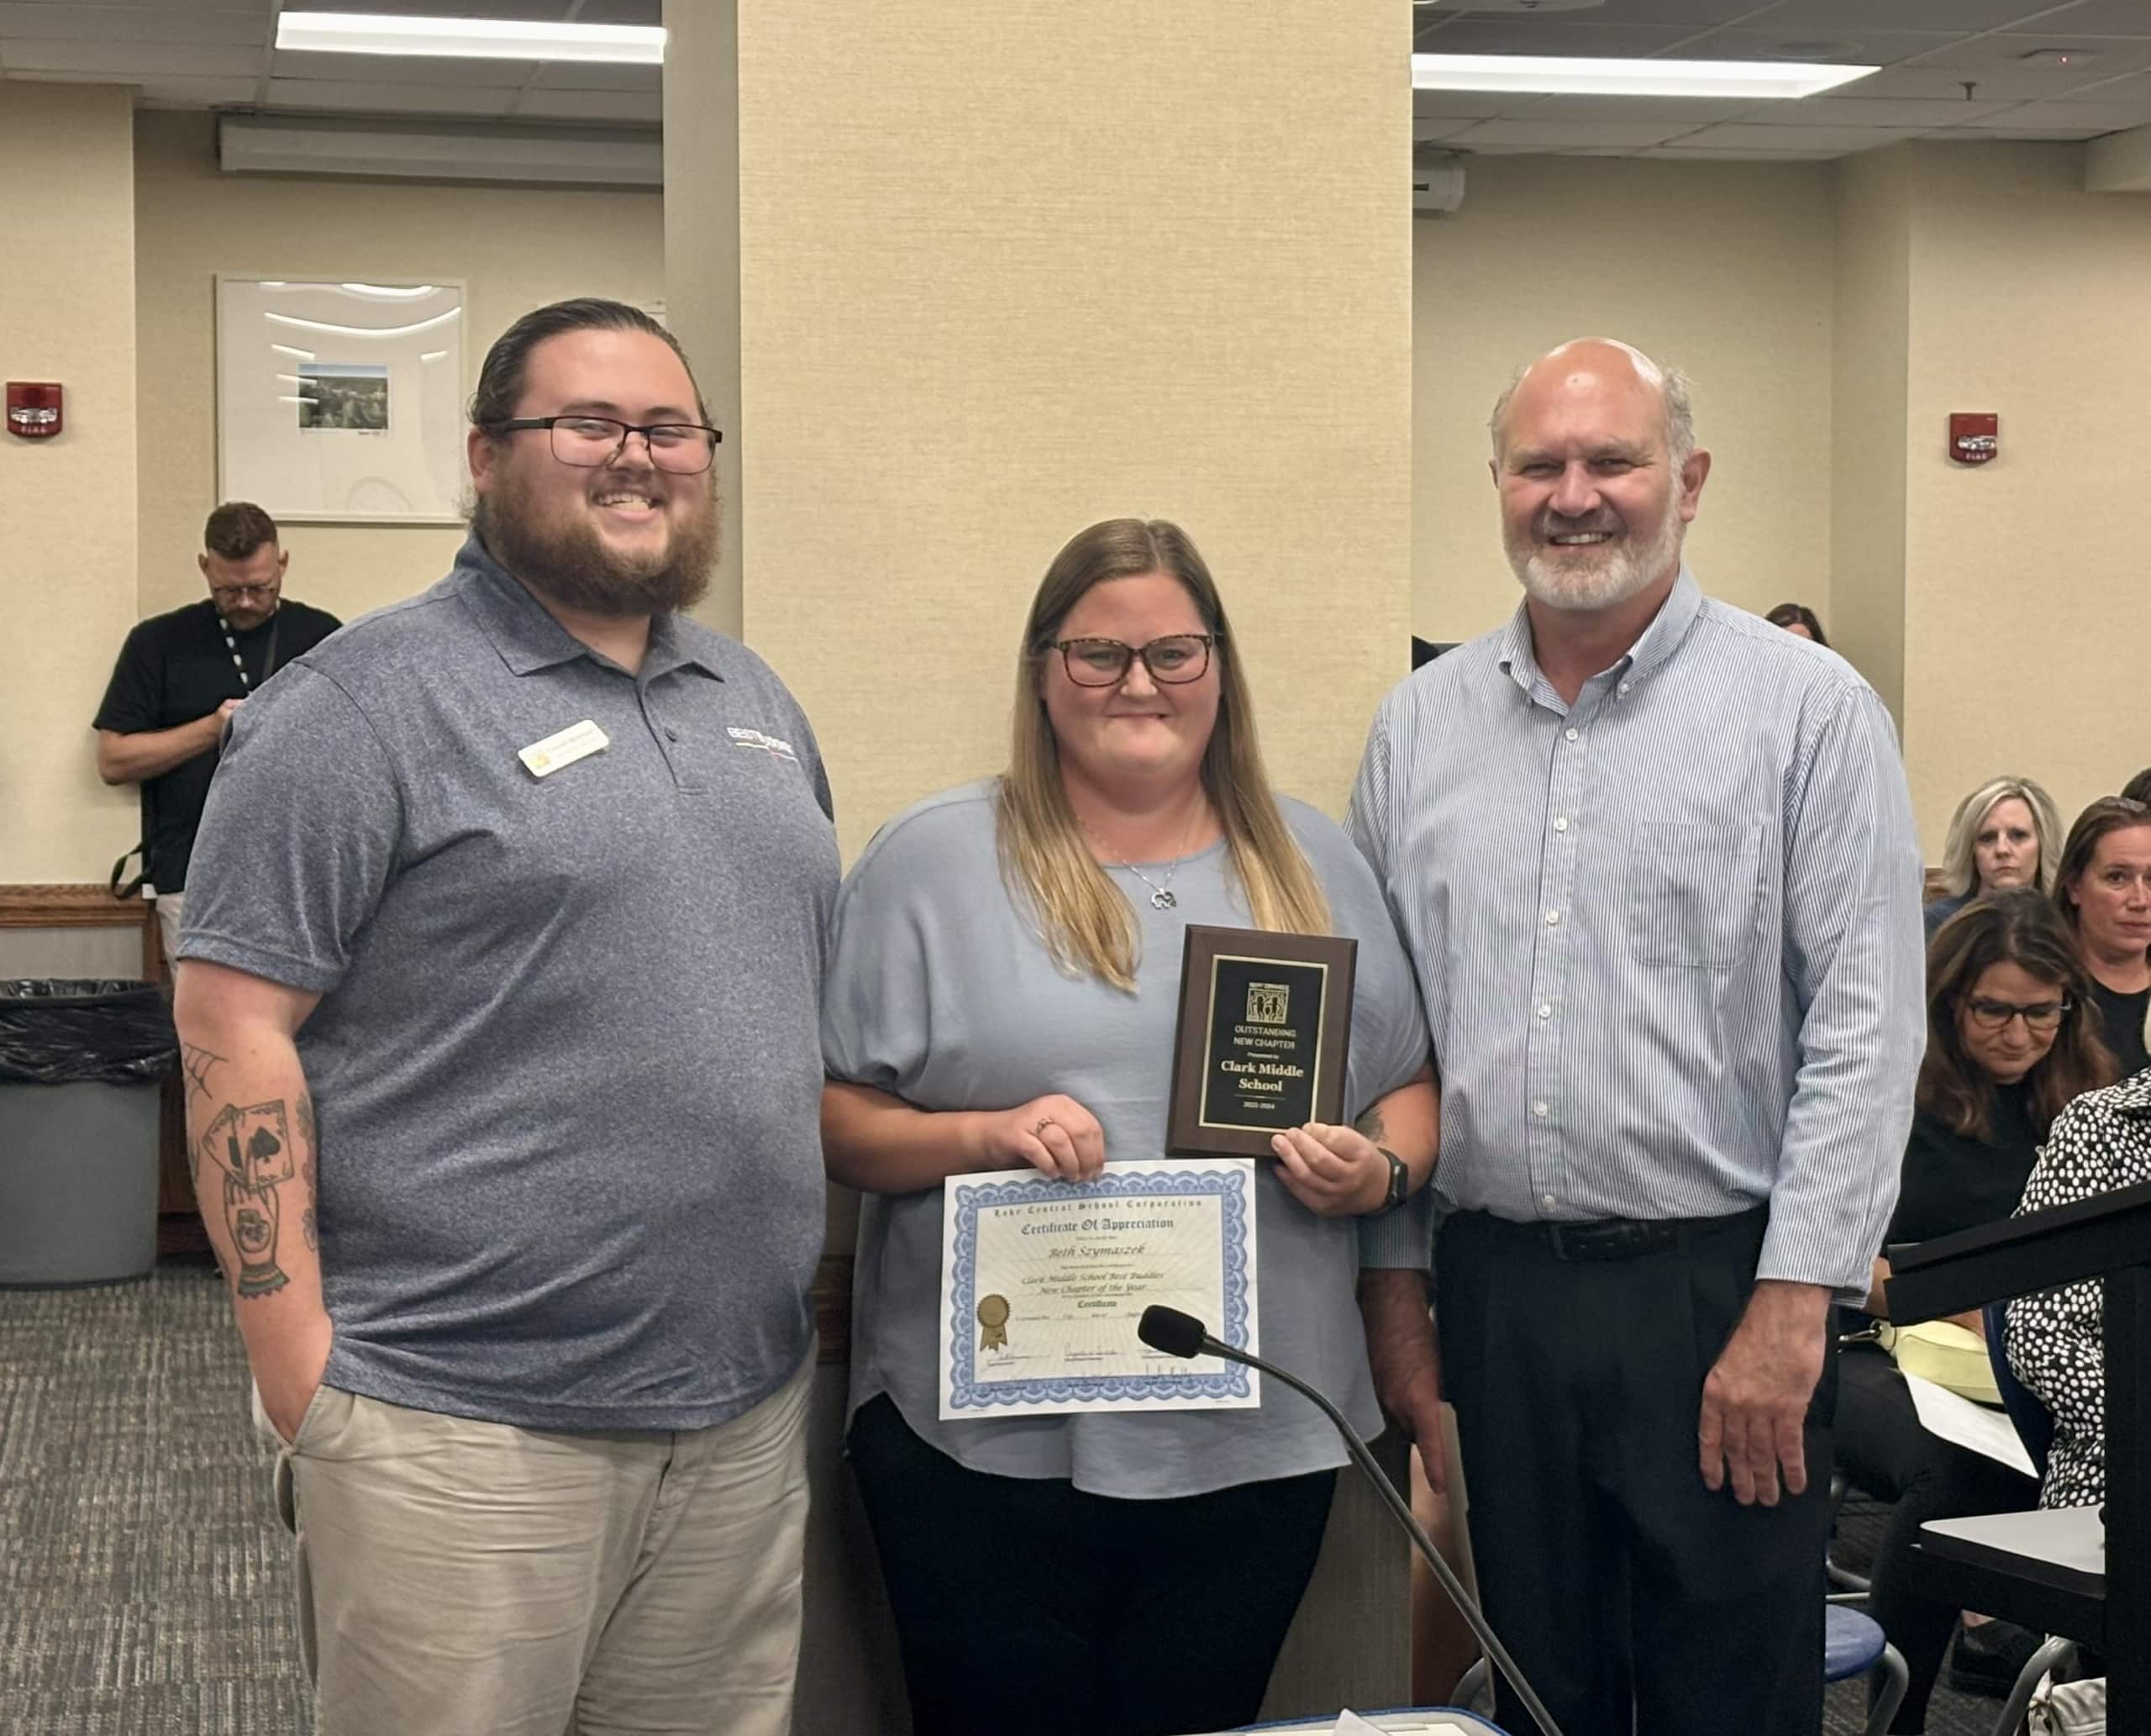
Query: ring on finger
1044	1122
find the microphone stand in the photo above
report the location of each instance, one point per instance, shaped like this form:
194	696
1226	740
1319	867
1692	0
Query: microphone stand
1400	1511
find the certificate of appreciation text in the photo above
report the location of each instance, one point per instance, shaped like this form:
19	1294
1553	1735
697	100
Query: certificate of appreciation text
1043	1283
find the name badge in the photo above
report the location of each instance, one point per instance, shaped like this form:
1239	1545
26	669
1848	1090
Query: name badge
578	741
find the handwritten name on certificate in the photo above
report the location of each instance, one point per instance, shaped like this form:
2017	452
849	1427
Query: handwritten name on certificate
1043	1283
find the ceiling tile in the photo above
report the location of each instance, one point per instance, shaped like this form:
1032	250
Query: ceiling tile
2028	135
2101	18
1681	112
130	60
1804	139
1852	112
2005	51
1996	84
348	97
1690	14
403	69
623	11
1667	155
1764	41
231	26
596	76
1523	34
2105	116
590	105
1426	131
1561	135
1822	17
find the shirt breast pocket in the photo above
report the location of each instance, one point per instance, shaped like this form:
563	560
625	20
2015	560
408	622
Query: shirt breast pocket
1695	893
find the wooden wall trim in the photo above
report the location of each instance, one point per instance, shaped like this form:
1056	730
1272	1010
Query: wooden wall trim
70	907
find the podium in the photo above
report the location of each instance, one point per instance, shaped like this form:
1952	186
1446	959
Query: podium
2059	1570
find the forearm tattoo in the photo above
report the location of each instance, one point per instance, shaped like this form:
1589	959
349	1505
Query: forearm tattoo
250	1146
197	1063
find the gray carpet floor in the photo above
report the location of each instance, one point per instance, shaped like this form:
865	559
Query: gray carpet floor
145	1581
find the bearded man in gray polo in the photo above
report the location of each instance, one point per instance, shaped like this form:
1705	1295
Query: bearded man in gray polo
500	1016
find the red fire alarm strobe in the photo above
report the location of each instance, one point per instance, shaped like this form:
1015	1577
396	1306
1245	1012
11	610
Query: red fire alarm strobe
33	409
1974	439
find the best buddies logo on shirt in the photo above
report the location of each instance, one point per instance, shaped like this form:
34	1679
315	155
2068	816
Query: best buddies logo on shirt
774	746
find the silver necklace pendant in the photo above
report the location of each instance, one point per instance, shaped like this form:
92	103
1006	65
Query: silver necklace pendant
1163	899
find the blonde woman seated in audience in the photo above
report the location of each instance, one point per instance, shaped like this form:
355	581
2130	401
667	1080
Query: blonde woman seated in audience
2012	1038
2104	890
1003	995
2056	1340
2007	833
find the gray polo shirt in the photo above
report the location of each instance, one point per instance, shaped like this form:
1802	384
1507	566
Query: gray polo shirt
942	992
566	1063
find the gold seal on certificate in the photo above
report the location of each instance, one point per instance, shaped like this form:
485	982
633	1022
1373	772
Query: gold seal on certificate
993	1322
1265	1022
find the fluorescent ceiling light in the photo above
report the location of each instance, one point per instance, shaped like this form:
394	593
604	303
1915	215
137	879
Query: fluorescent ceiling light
366	33
1571	75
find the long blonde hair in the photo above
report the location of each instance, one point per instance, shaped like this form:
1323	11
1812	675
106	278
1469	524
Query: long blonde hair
1084	919
1960	867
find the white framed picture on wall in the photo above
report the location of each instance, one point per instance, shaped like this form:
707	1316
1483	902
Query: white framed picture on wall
341	404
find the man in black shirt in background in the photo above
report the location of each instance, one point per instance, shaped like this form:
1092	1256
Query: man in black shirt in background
181	675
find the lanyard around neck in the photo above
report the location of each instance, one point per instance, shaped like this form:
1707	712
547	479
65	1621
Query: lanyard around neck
269	658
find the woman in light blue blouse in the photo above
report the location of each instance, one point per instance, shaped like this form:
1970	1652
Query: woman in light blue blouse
1002	994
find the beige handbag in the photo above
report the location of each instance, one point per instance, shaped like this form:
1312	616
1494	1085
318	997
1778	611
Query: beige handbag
1945	1353
2067	1708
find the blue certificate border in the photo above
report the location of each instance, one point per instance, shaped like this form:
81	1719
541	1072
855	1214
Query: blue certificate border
1230	1186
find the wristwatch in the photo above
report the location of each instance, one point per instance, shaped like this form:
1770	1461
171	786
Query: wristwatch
1400	1183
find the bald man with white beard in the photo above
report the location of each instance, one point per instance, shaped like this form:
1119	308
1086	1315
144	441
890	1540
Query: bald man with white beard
1654	862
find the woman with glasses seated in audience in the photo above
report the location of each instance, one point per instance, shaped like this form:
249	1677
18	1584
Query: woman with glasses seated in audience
2104	890
2007	833
1003	995
2056	1340
2010	1038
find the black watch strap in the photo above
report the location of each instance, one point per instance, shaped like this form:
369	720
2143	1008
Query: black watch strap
1399	1180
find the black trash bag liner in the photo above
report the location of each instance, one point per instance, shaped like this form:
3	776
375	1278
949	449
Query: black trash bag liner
71	1031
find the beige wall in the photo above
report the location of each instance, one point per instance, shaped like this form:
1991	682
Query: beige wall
2027	595
66	504
513	247
1722	269
1003	275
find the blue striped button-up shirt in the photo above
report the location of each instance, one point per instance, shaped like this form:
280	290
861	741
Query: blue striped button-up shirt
1669	936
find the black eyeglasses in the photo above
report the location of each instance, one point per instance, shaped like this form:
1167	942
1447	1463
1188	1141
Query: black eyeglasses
2042	1016
683	448
1177	658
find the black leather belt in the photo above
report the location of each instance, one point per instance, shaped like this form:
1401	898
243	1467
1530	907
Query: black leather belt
1620	1237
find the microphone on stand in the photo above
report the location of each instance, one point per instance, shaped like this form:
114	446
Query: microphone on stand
1179	1334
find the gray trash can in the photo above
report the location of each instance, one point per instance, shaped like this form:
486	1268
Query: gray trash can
79	1066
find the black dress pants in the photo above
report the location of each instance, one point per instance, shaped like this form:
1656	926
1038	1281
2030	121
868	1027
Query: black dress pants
1026	1605
1884	1451
1634	1599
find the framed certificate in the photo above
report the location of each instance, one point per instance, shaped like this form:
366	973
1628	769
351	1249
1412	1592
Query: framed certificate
1043	1283
1266	1028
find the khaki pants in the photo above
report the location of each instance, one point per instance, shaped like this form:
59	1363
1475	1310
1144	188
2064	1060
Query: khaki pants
456	1576
171	911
